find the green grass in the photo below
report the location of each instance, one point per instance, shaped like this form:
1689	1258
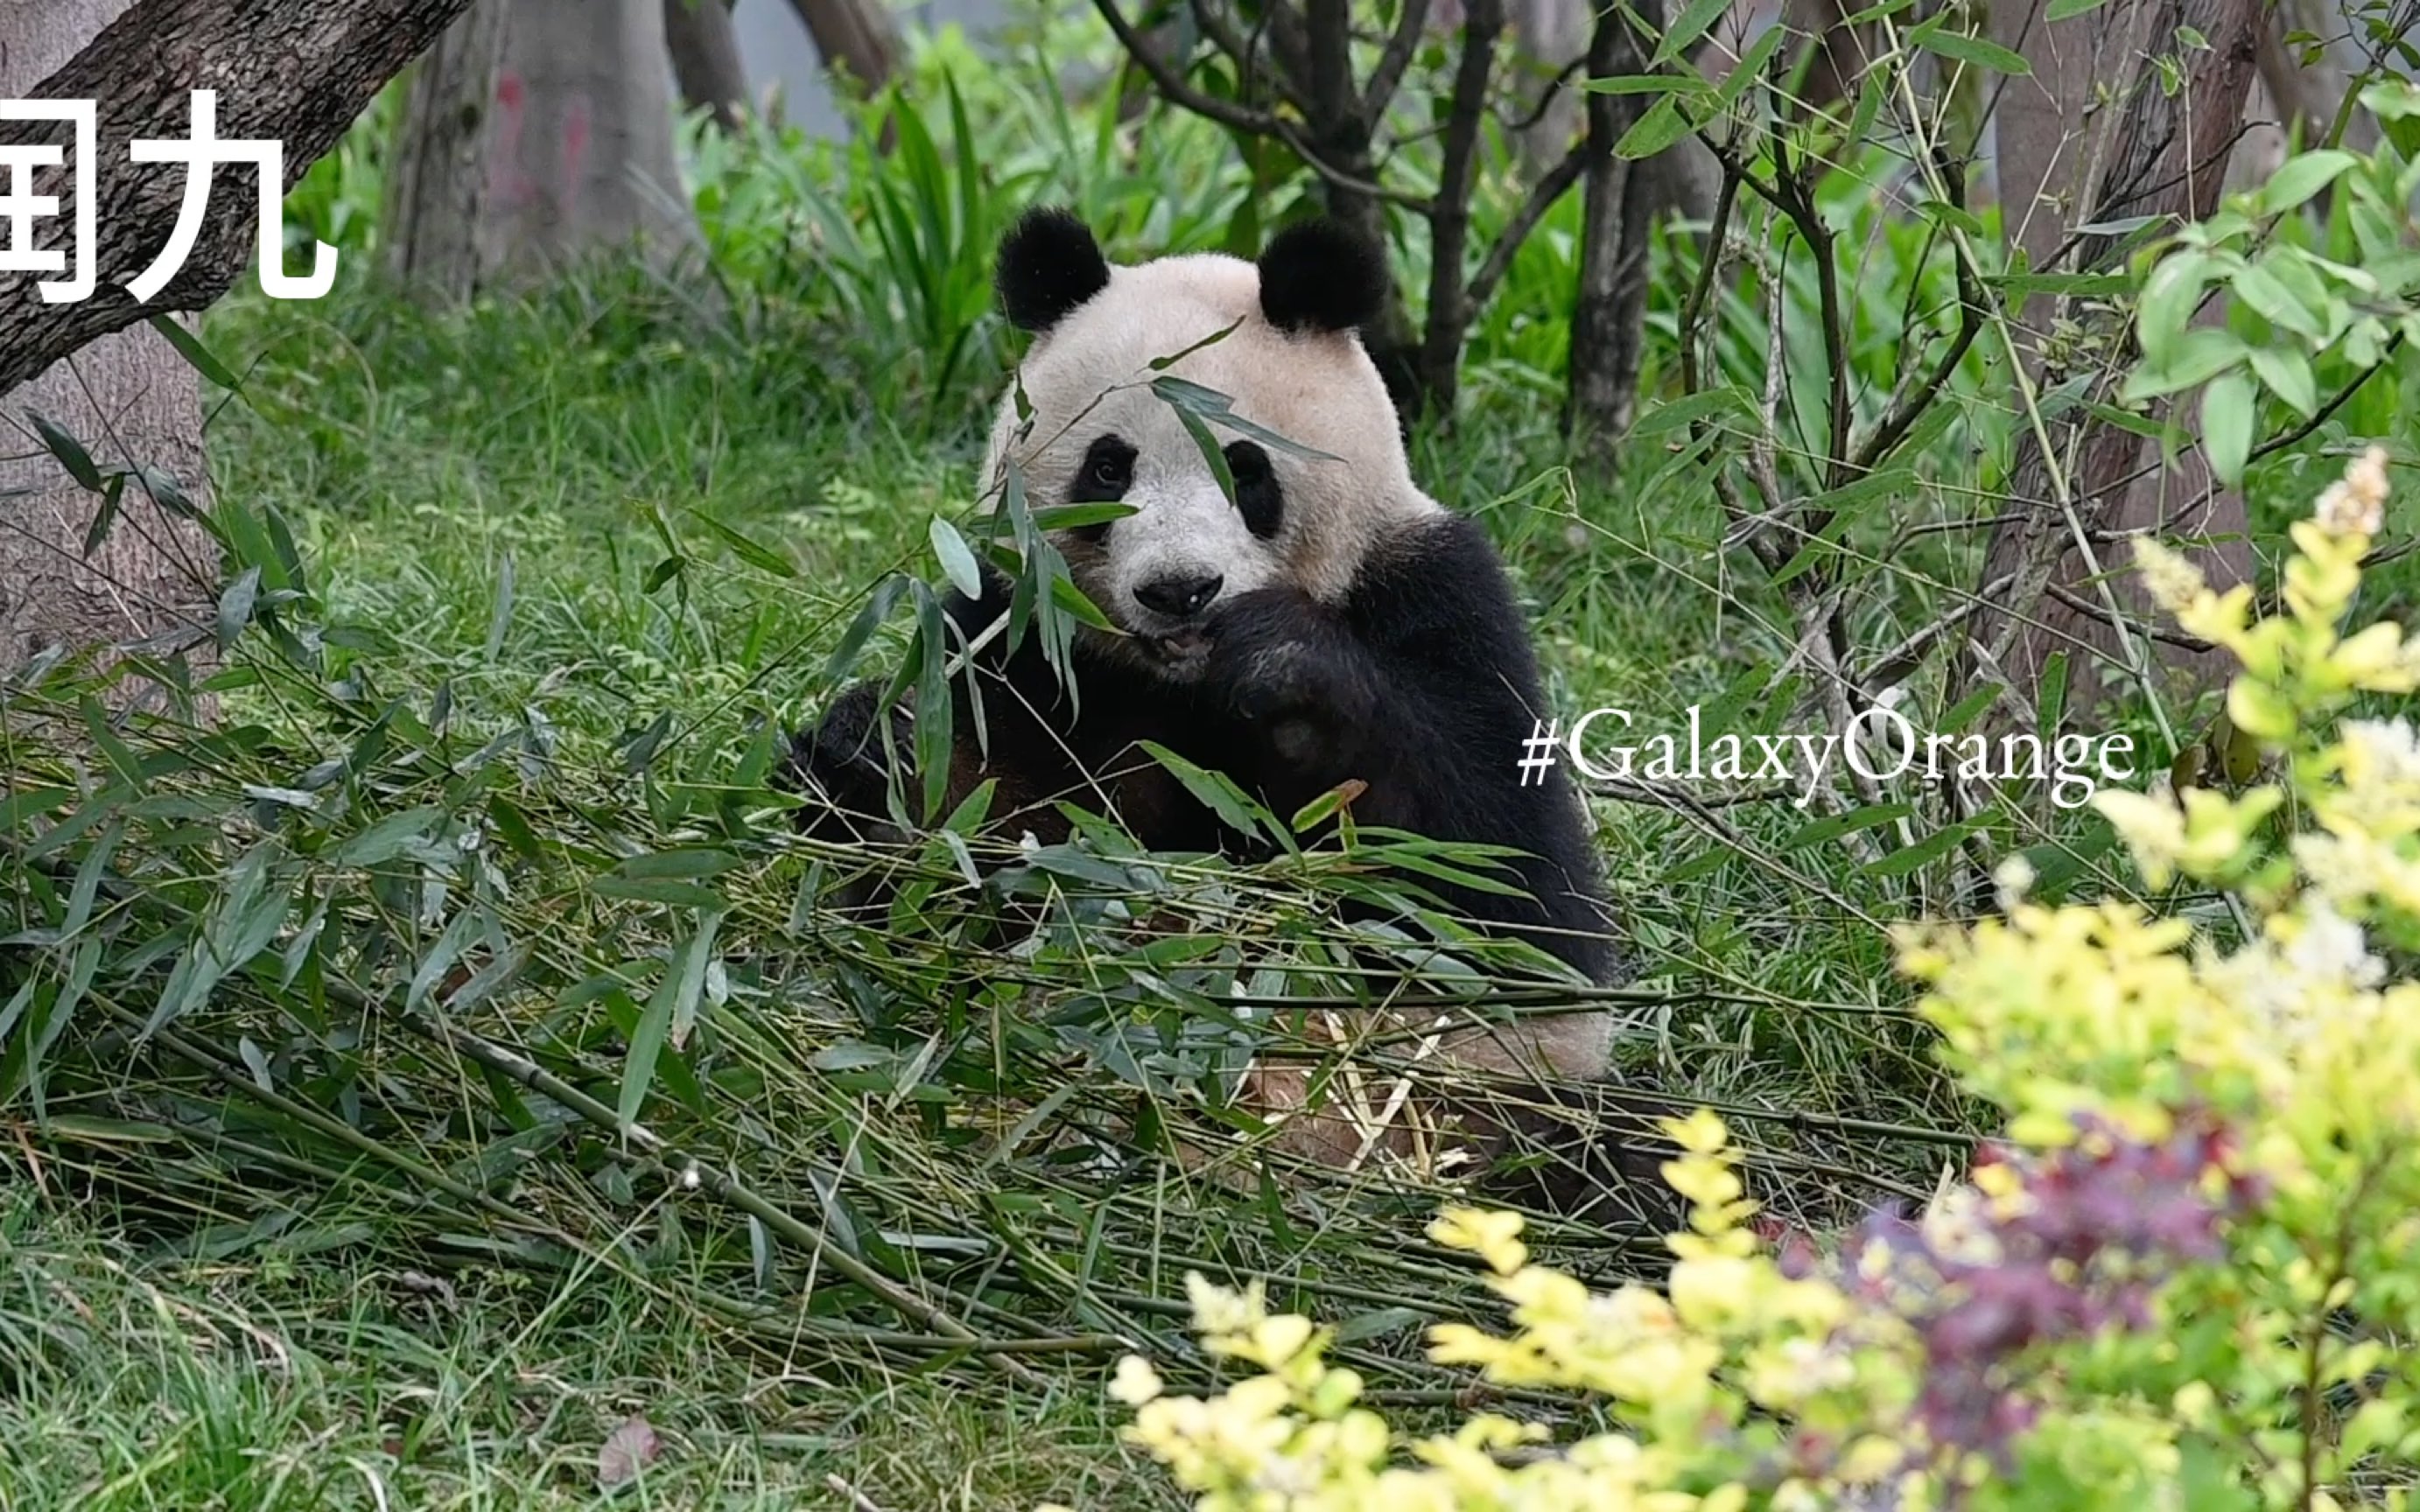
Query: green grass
300	1379
573	560
491	492
486	502
360	1228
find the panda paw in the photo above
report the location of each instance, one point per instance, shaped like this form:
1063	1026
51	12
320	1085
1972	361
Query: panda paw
1280	664
838	766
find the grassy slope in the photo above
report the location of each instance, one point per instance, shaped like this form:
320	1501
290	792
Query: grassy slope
418	457
317	1384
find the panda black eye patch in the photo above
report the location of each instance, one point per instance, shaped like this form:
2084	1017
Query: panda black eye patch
1257	495
1102	478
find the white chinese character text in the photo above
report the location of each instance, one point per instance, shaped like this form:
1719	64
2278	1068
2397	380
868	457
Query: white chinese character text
200	155
20	206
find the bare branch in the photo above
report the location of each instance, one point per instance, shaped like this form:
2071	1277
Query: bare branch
1173	88
1171	85
1551	186
1282	22
1909	407
2147	627
1898	662
2343	396
1400	49
1555	86
1245	51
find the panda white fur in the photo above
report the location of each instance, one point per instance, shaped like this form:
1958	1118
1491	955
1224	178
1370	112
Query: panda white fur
1331	624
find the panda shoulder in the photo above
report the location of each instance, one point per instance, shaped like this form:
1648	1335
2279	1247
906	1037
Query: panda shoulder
1437	577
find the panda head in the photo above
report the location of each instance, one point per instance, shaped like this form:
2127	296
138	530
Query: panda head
1292	365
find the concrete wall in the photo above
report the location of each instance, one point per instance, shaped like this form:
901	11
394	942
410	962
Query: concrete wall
774	44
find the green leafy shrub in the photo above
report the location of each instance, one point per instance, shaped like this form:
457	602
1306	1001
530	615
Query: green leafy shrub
2184	1276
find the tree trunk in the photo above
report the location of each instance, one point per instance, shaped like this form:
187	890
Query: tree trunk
1449	311
1339	133
297	72
2157	154
540	133
1609	307
855	37
705	59
1842	52
291	72
440	176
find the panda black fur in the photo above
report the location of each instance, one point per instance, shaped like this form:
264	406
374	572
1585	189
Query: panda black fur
1332	623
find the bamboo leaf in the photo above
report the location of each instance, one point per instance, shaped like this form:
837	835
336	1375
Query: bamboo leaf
671	1010
2299	177
70	451
657	890
1214	790
692	863
235	606
1661	125
190	348
957	560
1693	22
2227	423
753	552
1931	847
1935	37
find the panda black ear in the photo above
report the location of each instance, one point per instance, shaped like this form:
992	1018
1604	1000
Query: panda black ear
1317	275
1048	265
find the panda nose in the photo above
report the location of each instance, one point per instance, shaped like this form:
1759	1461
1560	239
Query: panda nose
1180	597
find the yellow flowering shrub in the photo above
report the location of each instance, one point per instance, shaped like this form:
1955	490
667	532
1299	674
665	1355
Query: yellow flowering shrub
2187	1277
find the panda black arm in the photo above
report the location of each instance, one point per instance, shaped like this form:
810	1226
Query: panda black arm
1423	685
1427	664
840	763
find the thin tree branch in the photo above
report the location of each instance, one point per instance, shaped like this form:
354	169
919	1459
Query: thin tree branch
1402	48
2342	397
1246	52
1171	85
1173	88
1551	186
1909	407
1555	86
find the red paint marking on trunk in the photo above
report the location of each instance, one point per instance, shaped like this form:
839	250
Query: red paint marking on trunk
575	148
506	181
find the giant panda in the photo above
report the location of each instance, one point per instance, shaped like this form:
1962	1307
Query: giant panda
1332	623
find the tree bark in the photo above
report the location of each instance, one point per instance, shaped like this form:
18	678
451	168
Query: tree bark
440	176
855	37
2306	94
1316	49
126	398
705	59
2160	154
298	72
541	132
1449	311
1842	52
1609	310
